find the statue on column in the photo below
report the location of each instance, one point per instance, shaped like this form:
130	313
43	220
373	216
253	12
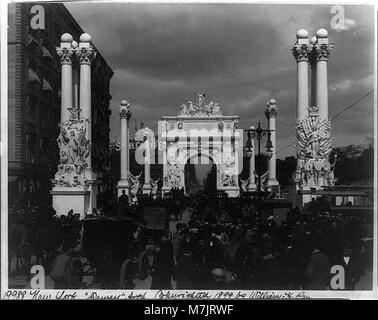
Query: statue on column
74	149
244	184
264	176
135	185
313	149
154	187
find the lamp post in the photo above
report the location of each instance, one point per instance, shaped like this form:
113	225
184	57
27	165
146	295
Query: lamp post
250	152
258	134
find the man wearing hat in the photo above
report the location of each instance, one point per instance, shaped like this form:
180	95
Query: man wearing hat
351	267
317	273
218	280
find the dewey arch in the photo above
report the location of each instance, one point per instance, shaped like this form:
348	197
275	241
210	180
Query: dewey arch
200	129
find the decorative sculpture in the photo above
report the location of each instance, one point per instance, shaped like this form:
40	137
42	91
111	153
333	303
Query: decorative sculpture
154	187
173	176
244	184
135	185
200	108
313	149
264	176
74	149
228	177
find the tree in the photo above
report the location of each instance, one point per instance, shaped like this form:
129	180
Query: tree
285	170
355	164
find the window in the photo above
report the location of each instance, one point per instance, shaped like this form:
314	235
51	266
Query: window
359	201
349	201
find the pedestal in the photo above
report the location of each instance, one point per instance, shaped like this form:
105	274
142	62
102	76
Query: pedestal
67	198
146	189
81	199
251	185
165	190
271	182
123	185
232	192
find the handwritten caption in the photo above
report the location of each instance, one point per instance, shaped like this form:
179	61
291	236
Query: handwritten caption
16	294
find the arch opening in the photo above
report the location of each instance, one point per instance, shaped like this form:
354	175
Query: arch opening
200	174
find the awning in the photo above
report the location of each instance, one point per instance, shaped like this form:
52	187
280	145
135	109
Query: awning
46	53
46	86
33	77
31	39
12	178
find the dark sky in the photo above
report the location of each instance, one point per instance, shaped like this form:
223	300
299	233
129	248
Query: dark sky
239	54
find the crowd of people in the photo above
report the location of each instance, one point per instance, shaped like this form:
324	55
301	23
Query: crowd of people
232	239
217	243
36	235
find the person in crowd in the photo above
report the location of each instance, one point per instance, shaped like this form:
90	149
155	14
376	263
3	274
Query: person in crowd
123	199
162	265
129	270
218	279
108	269
62	268
186	272
352	267
317	273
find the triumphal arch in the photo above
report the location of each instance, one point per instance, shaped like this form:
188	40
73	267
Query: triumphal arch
201	131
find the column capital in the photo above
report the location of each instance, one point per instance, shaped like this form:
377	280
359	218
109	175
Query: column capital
85	54
271	110
65	54
124	110
323	51
301	51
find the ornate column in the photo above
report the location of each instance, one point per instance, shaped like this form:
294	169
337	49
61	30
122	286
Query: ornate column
75	185
75	81
312	61
86	55
147	164
252	183
65	52
125	115
271	112
323	50
300	52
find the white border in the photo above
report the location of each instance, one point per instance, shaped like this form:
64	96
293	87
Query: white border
4	143
151	294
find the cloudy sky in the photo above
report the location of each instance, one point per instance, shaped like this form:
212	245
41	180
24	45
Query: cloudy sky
239	54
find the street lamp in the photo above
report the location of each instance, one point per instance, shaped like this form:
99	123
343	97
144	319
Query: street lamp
248	146
269	145
258	134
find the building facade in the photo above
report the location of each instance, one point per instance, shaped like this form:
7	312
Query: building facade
34	80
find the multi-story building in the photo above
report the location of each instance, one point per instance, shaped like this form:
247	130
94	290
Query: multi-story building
34	100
